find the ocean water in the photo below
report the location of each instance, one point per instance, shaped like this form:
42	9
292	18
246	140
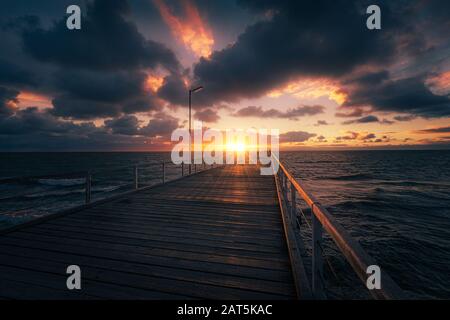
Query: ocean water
395	203
112	173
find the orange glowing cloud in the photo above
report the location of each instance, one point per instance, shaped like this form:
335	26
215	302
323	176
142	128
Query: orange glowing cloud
310	89
440	84
192	31
30	99
153	83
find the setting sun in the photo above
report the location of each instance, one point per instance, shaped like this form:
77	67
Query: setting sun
236	146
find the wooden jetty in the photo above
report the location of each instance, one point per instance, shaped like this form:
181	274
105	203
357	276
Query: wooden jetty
223	233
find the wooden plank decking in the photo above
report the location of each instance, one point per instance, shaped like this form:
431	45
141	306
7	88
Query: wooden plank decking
215	235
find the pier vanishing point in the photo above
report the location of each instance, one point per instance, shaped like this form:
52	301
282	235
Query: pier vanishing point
223	232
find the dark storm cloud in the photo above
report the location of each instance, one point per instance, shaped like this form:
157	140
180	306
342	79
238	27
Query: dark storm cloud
407	95
67	106
34	129
7	97
207	115
105	86
14	74
371	78
92	95
106	41
161	125
32	121
174	90
292	114
127	125
316	38
91	73
296	136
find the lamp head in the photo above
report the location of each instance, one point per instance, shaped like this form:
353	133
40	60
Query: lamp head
196	89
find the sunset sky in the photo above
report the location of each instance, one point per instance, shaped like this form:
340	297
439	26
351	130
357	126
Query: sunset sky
308	68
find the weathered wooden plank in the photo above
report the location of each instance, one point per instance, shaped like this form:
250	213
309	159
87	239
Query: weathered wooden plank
55	285
186	221
149	237
155	244
148	281
152	239
199	256
238	231
180	230
208	278
173	262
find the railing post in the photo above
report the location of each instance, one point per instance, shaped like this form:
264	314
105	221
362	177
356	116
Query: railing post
195	168
88	187
293	205
182	169
164	172
136	177
317	259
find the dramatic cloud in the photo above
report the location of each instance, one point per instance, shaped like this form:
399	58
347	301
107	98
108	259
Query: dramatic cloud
162	125
90	95
293	43
8	98
120	68
207	115
407	95
296	136
33	129
32	121
127	125
106	41
175	90
13	74
192	31
96	72
368	119
291	114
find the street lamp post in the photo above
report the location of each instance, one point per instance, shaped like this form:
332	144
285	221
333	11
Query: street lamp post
190	131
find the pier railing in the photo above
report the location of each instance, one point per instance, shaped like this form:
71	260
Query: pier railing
322	220
136	179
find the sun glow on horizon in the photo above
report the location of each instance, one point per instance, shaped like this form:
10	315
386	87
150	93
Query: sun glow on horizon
236	146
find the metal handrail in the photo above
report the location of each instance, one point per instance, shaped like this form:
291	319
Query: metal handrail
350	248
